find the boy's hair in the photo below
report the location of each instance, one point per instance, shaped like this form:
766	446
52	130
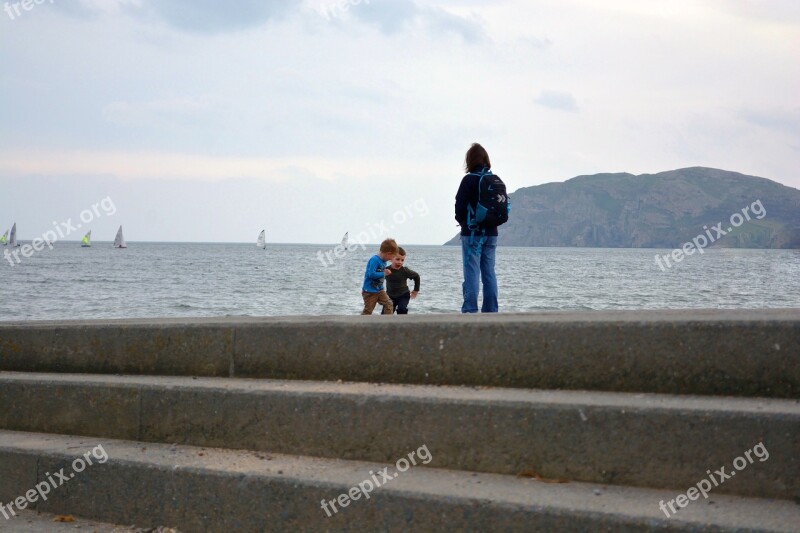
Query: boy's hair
400	251
389	246
477	158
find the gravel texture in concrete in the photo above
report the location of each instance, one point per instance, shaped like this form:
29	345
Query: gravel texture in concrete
735	353
208	489
652	440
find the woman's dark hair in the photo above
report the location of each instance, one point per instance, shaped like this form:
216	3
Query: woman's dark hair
477	158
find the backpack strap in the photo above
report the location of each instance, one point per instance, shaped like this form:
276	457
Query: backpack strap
471	225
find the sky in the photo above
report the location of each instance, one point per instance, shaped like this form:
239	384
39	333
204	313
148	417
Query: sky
204	120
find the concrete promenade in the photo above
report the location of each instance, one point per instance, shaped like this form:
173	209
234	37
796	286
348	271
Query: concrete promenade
552	421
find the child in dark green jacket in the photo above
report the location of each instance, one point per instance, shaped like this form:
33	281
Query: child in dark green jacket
397	283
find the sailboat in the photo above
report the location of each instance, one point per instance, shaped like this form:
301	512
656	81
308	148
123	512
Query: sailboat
4	239
119	240
261	242
86	242
346	239
13	239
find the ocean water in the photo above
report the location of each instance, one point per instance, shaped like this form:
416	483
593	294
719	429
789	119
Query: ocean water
216	280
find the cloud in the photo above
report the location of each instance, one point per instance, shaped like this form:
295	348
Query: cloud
560	100
213	16
158	111
196	16
775	11
127	164
392	16
389	16
92	8
467	28
773	119
108	6
537	43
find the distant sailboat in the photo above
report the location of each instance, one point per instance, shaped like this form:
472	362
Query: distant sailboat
119	241
261	242
4	239
13	240
86	242
346	239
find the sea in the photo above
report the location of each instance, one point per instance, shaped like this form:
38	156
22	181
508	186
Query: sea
151	280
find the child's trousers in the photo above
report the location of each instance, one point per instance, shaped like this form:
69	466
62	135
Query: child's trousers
401	303
373	298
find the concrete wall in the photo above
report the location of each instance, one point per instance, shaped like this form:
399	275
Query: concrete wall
743	353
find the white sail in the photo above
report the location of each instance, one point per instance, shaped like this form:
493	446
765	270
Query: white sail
345	240
86	242
262	243
119	241
13	239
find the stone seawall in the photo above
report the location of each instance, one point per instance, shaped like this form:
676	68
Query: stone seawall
742	353
555	421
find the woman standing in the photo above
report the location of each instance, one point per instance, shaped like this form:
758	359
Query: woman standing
479	223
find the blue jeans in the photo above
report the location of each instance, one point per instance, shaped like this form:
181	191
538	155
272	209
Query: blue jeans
478	260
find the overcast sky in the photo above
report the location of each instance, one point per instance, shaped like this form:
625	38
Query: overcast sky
206	120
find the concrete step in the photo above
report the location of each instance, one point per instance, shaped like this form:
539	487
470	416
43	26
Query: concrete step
32	522
204	489
735	353
650	440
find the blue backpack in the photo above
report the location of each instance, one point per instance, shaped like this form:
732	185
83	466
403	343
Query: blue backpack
493	204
